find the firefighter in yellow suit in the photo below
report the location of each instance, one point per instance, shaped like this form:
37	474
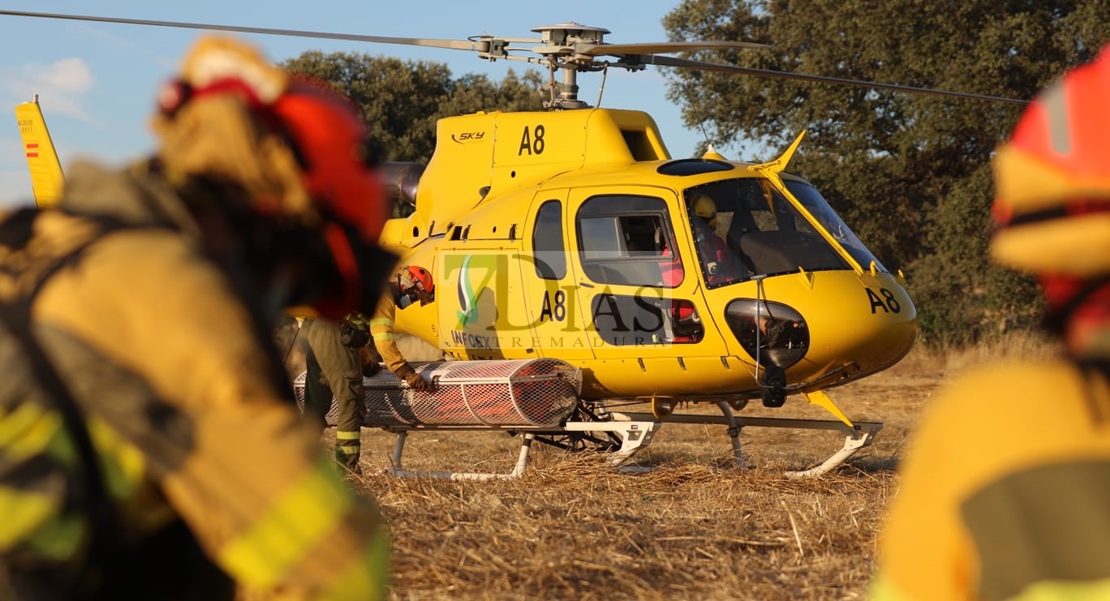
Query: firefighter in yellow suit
410	284
334	369
1005	490
149	443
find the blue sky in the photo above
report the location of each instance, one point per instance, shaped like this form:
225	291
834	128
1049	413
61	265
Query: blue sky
96	81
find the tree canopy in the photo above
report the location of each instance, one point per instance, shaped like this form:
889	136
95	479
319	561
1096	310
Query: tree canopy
402	100
910	173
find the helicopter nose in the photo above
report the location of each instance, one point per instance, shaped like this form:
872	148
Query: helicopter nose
821	323
773	333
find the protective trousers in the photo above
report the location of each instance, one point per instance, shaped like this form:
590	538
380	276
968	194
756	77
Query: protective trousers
335	370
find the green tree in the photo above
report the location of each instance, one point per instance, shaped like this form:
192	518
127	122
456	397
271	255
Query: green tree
403	100
908	172
474	92
398	98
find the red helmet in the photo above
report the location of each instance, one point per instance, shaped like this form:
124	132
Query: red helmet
421	278
333	144
1053	178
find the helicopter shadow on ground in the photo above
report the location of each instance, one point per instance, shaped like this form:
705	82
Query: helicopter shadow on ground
872	465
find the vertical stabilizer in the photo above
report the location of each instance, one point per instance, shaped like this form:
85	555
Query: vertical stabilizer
42	160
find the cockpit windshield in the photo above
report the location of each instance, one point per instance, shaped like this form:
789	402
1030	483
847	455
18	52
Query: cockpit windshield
745	228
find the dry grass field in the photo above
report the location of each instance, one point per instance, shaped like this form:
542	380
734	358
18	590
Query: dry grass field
695	528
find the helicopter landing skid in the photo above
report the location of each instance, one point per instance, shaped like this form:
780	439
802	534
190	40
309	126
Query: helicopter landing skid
632	434
622	434
856	438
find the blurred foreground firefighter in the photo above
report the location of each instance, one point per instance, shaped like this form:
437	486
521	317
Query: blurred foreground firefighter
1006	487
149	443
410	284
334	368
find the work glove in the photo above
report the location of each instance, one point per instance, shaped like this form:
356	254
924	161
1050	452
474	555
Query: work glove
416	381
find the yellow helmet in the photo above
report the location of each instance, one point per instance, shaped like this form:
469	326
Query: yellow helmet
705	208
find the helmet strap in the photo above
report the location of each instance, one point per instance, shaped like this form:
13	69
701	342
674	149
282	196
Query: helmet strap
362	270
1056	320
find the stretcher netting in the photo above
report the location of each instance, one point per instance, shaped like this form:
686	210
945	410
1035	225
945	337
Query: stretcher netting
504	393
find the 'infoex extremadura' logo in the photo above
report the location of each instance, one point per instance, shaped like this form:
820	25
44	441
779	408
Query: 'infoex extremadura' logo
481	290
497	307
468	306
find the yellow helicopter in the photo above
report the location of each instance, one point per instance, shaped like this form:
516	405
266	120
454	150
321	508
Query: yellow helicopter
571	249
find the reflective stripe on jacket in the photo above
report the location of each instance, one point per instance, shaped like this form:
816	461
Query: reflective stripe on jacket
167	363
382	332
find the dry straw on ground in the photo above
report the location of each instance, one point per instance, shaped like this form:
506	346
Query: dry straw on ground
696	528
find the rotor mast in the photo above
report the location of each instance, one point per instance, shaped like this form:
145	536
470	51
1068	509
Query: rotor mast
559	47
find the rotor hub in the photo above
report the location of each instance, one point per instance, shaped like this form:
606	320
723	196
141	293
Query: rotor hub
563	41
566	34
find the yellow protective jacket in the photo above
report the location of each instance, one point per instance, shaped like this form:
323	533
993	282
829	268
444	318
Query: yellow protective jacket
381	331
1005	491
186	409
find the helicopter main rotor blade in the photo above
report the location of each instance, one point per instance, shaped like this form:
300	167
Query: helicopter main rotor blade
668	61
659	47
646	53
478	45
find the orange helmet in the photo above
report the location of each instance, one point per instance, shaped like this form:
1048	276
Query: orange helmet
421	278
1052	179
415	282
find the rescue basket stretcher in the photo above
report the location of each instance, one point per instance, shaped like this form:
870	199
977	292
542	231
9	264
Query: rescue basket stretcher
526	395
539	398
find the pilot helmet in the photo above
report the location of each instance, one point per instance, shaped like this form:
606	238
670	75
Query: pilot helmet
705	208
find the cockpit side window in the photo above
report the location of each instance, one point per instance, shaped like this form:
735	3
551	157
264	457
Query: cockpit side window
548	248
820	209
744	228
628	240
